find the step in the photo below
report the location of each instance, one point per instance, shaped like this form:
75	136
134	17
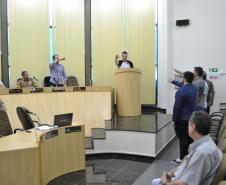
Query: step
94	178
88	142
98	133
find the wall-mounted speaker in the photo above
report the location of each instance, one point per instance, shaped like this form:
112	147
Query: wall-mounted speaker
183	22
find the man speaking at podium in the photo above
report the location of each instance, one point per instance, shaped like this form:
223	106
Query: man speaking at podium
124	63
58	74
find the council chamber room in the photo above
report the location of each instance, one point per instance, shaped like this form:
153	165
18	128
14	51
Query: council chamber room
112	92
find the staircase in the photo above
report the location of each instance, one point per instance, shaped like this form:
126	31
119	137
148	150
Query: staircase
97	133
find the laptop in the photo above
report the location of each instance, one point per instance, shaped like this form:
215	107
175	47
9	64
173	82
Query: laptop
63	120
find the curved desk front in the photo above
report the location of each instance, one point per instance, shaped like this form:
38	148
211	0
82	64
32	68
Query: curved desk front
90	106
38	157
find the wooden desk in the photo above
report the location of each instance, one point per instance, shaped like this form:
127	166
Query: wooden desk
90	107
37	158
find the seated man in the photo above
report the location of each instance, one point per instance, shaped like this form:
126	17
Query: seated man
25	81
200	165
124	63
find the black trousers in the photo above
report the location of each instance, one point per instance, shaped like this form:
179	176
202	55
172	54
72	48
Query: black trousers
181	129
56	85
208	109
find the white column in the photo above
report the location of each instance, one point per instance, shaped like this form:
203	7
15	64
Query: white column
165	63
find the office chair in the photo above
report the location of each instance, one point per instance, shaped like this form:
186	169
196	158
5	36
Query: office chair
72	81
5	126
25	118
215	127
46	82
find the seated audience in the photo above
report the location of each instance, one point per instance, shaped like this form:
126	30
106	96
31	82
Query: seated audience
124	63
201	164
25	81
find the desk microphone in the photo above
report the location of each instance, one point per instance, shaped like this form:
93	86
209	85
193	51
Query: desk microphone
35	78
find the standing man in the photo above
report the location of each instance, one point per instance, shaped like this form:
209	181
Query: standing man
184	105
25	81
57	72
201	165
201	103
124	63
211	93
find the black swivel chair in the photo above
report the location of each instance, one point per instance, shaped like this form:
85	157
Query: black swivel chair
72	81
25	118
46	81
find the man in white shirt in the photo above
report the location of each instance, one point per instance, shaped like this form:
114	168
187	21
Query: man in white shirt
124	63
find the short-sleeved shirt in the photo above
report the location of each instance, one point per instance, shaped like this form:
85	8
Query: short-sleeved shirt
201	164
21	83
125	64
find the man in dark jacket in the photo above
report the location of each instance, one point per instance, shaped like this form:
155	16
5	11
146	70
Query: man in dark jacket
184	106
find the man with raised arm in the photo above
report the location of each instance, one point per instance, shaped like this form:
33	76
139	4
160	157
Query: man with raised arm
124	63
57	71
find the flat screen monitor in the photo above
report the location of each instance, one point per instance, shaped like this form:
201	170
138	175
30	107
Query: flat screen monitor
63	120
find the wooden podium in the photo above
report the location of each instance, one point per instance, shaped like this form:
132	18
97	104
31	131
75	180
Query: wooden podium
128	92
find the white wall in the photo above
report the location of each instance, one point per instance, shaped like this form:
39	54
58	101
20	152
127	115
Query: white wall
165	65
202	43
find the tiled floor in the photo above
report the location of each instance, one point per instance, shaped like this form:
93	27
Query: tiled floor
160	164
114	171
117	171
120	170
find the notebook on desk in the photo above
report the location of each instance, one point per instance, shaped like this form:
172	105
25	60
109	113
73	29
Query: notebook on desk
63	120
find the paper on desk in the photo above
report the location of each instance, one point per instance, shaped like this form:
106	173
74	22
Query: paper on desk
45	127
